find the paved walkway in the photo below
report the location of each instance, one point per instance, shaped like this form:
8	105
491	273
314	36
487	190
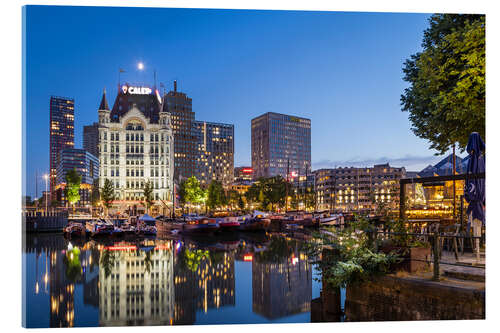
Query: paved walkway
471	270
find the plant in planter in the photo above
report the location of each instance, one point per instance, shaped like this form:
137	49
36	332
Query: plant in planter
414	252
351	258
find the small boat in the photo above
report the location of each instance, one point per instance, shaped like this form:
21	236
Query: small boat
146	230
167	226
127	229
102	229
146	226
303	219
203	225
255	224
229	224
332	220
75	230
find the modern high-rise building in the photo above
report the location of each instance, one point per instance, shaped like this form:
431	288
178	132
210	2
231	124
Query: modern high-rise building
215	152
279	143
91	139
85	164
62	131
357	189
135	146
180	107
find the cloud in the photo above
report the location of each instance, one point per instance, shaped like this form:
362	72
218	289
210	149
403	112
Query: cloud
410	162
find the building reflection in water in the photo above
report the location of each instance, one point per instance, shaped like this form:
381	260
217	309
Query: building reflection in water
61	292
163	282
203	280
281	280
136	284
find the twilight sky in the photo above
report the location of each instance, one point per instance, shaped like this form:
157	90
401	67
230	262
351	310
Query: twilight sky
341	70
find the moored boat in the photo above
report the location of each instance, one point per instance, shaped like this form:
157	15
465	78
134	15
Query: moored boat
202	225
146	226
146	230
229	223
167	226
127	229
303	219
74	230
255	224
102	229
332	220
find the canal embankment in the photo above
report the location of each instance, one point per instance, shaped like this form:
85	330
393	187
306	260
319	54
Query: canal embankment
44	221
402	297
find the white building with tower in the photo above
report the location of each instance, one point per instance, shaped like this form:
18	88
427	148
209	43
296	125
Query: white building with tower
136	146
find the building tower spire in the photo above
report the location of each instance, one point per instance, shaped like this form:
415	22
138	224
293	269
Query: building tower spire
104	101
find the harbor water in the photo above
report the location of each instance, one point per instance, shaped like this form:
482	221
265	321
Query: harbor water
235	278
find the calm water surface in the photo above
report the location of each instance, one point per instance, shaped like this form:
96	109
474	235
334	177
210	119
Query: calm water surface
236	278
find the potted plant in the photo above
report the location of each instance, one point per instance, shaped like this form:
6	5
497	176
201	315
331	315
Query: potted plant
414	253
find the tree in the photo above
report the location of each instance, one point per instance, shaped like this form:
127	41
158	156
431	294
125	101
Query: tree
232	198
294	202
216	196
310	198
241	203
108	193
148	194
268	192
191	192
275	191
96	195
446	96
72	188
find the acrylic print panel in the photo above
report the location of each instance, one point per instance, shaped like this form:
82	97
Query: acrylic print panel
195	166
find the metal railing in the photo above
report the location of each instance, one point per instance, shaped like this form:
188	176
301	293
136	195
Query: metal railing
436	240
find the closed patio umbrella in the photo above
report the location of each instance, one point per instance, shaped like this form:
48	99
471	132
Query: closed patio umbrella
475	188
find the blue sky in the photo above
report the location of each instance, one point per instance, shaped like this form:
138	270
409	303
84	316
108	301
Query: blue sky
341	70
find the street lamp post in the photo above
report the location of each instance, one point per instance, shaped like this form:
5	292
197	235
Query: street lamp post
46	177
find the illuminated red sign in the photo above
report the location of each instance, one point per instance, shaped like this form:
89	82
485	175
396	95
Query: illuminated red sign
247	257
247	170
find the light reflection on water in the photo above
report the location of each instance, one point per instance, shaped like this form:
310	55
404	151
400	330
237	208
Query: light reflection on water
236	278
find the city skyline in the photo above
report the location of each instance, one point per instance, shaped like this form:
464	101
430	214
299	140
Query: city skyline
232	74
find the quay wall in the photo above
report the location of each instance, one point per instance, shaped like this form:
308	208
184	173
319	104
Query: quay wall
44	221
405	298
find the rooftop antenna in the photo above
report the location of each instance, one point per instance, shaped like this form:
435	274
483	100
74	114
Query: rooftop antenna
121	70
175	86
154	74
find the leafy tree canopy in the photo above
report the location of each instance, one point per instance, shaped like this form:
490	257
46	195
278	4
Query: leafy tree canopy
192	192
446	96
216	196
268	191
72	189
96	195
108	193
148	193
